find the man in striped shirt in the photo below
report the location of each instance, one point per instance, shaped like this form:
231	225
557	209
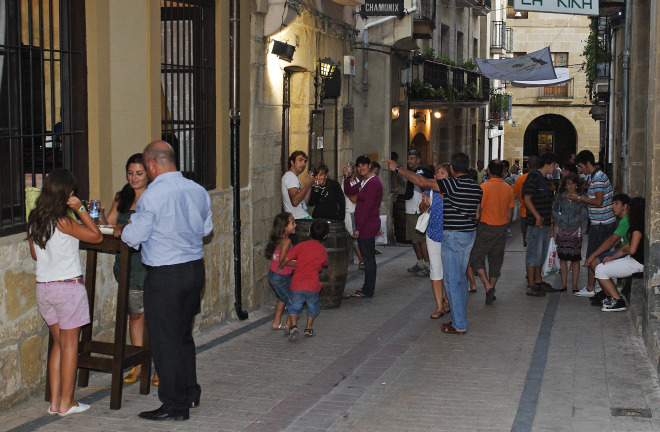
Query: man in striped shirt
462	197
537	195
601	215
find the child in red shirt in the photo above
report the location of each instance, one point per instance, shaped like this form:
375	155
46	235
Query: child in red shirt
310	257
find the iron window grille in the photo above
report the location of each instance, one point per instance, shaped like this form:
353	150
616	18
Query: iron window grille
188	86
43	100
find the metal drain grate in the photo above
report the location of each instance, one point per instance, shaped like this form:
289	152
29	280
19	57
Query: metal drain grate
631	412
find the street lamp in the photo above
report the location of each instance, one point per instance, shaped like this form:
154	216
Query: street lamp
327	67
324	72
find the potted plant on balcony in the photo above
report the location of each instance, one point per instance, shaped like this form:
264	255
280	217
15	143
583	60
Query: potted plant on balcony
473	92
495	106
444	59
428	53
469	65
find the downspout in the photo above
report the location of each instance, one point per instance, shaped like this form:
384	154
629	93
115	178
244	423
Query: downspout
235	122
610	108
625	151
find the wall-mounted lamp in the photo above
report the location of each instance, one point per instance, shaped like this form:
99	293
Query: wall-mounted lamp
283	50
395	112
437	114
326	76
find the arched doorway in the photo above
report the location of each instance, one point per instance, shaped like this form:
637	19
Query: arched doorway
550	132
421	144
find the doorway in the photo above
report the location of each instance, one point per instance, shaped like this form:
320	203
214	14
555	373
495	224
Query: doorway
550	132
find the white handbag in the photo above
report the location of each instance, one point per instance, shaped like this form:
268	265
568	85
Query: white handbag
423	219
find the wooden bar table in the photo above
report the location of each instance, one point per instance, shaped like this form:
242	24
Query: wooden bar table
117	356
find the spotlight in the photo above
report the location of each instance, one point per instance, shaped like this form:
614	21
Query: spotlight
437	114
283	50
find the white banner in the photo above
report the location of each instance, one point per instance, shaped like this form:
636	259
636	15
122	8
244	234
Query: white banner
573	7
562	76
530	67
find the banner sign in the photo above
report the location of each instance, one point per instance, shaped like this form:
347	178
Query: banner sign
573	7
382	8
534	66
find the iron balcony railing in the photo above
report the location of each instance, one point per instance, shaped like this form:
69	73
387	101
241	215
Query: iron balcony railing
509	39
498	35
557	91
425	10
442	82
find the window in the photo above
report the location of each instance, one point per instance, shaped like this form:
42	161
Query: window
43	106
460	49
559	59
188	86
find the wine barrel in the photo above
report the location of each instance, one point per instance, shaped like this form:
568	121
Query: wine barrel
400	220
333	277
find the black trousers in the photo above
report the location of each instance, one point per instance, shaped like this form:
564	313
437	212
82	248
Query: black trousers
172	297
368	252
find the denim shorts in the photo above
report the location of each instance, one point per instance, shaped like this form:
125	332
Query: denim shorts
298	298
280	284
538	240
598	233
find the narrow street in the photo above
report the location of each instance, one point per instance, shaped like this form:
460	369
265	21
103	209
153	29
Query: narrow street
554	363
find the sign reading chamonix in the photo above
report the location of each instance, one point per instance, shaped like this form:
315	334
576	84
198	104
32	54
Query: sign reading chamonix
382	8
573	7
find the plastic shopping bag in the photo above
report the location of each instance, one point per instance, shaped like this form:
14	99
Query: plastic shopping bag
551	263
381	237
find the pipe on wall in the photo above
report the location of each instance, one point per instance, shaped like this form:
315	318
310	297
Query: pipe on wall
235	123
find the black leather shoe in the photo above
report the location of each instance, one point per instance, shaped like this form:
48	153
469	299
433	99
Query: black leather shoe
161	414
194	404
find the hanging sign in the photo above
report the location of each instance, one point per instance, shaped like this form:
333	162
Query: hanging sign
382	8
573	7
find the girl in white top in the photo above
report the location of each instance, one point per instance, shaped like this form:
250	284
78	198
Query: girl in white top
54	237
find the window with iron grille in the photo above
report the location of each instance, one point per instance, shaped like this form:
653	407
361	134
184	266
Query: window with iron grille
43	102
188	86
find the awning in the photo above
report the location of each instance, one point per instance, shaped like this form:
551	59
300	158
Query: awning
534	66
562	76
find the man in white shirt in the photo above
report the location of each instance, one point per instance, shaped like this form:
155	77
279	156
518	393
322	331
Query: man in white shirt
295	198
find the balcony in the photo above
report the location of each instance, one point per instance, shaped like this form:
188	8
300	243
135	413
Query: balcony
508	46
500	106
498	39
466	3
443	84
559	92
482	8
424	20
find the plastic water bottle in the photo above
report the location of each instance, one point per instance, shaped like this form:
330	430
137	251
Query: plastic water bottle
94	210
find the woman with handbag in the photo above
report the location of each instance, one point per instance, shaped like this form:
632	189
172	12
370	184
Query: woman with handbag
568	216
432	206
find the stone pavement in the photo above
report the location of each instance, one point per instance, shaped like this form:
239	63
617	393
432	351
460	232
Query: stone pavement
542	364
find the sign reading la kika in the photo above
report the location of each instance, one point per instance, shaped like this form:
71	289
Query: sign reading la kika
382	8
573	7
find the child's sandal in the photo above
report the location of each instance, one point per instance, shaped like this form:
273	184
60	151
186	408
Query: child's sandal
309	332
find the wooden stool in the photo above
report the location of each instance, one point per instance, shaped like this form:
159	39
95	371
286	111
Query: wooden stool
117	356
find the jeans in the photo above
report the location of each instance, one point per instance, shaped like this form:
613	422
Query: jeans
368	251
297	300
456	248
280	284
538	240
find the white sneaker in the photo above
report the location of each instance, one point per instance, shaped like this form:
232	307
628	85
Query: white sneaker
584	292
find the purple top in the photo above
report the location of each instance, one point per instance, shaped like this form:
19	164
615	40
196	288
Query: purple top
367	208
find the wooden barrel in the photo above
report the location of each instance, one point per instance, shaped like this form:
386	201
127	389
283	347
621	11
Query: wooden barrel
400	220
333	277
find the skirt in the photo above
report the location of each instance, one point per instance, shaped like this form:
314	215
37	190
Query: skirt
569	244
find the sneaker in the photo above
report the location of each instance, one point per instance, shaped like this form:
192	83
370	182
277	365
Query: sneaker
508	233
414	269
597	299
423	273
534	291
616	305
584	292
362	266
309	332
490	296
546	287
606	301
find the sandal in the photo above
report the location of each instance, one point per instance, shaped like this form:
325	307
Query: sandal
358	294
437	314
472	290
293	334
280	327
445	305
309	332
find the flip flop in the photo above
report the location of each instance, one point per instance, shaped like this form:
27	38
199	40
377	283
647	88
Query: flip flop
358	294
437	315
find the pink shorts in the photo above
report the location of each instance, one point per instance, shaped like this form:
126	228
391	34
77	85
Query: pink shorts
64	303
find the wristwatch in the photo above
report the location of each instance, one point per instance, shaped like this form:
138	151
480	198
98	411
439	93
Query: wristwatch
397	168
81	209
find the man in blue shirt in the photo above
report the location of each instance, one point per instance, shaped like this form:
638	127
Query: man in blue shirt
171	218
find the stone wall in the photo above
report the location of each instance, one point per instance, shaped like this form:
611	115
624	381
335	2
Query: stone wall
24	334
